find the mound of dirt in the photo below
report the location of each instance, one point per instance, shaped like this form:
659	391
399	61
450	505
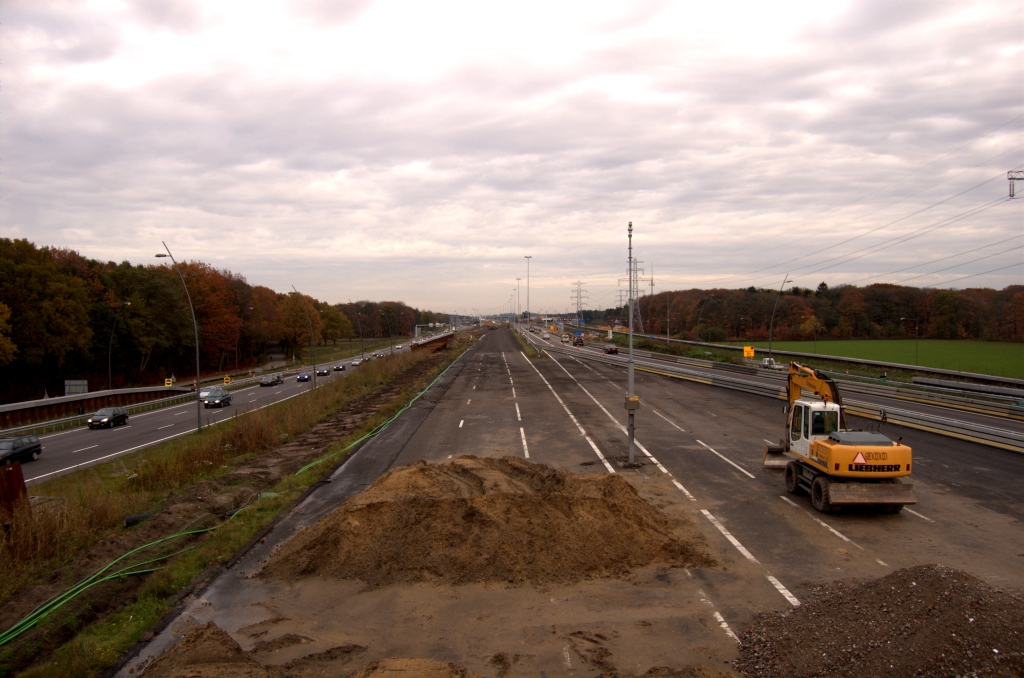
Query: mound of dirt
487	520
927	620
209	652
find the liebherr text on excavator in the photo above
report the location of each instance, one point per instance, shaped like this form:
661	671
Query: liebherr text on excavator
836	465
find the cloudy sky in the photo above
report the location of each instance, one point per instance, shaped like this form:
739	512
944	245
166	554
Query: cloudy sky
419	150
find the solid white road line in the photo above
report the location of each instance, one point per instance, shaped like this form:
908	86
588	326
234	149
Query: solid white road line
883	564
593	445
84	449
526	450
519	417
461	421
671	423
732	540
728	461
918	514
784	591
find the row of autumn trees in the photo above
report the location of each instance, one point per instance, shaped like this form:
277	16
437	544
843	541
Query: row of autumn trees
842	312
62	314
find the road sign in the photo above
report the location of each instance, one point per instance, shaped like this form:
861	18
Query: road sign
168	382
227	380
748	351
578	333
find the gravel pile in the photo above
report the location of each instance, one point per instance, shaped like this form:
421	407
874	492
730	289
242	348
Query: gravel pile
920	621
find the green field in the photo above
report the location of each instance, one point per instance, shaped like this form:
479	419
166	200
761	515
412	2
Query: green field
1003	359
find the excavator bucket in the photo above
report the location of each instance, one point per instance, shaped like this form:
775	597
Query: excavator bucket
774	456
843	494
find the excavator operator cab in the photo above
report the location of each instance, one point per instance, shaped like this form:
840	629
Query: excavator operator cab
811	420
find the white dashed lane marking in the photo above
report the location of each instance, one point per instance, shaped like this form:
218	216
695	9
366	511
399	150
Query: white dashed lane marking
728	461
85	448
461	421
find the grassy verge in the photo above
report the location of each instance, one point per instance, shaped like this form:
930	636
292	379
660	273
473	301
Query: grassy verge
93	504
1005	359
529	349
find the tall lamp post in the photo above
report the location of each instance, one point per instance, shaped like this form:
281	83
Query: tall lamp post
110	346
632	401
771	325
529	318
312	348
388	321
195	330
699	315
916	342
519	312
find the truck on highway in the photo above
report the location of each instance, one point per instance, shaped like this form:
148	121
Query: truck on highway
838	466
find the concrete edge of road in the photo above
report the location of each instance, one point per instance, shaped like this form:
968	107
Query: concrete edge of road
351	474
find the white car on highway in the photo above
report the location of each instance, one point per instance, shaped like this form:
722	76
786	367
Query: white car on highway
545	336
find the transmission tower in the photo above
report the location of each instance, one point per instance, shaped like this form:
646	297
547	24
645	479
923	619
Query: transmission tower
635	281
579	295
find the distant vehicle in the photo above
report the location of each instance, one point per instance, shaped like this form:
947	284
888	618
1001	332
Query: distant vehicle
205	391
22	448
565	338
303	376
340	367
357	362
545	336
108	417
577	341
323	372
399	347
218	396
611	350
378	354
271	380
770	364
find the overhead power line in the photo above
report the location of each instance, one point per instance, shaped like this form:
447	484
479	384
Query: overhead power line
933	261
975	275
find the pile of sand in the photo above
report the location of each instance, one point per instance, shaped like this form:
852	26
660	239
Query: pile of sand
920	621
487	520
209	652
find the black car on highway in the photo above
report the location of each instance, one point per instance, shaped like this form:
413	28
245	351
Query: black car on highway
271	380
611	350
323	372
22	448
108	417
340	367
303	376
217	397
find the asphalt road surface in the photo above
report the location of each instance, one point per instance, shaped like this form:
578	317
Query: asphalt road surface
707	443
67	451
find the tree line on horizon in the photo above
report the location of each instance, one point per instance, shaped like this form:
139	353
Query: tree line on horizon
60	314
879	311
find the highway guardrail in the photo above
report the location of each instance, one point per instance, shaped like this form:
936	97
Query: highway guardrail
985	435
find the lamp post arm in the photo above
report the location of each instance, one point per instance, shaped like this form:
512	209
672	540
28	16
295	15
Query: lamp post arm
195	331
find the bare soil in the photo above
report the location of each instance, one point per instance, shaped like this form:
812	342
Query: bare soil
209	652
927	620
476	520
248	476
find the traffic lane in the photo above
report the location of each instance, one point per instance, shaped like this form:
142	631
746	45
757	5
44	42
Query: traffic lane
978	473
65	451
944	526
495	403
886	402
783	531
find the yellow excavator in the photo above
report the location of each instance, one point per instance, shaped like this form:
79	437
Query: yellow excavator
836	465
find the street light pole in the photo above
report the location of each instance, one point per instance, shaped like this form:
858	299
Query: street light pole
699	315
110	346
529	318
195	330
312	348
519	311
632	402
771	326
